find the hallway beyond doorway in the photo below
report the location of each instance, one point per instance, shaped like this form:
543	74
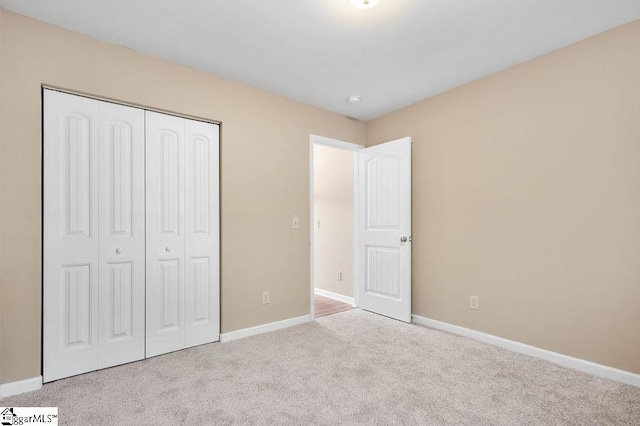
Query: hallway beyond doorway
325	306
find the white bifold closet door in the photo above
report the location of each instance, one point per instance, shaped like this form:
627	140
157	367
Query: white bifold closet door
130	234
93	229
182	233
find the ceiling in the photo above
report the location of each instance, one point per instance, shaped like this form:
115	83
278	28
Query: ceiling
319	52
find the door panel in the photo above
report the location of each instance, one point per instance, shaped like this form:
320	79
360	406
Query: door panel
170	179
165	234
70	234
202	233
122	229
384	206
76	302
383	203
384	272
121	299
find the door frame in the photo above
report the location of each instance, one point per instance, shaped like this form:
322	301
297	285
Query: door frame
346	146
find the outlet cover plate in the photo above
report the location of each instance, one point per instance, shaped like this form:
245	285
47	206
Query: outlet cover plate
474	303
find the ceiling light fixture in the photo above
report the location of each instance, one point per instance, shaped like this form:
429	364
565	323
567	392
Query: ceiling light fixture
353	99
364	4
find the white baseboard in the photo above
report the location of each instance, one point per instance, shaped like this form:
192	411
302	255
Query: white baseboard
264	328
335	296
564	360
22	386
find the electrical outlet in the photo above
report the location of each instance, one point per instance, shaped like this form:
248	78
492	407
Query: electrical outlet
318	223
474	303
295	222
339	276
266	298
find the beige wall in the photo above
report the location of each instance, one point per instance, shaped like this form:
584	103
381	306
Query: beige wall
264	174
333	206
526	193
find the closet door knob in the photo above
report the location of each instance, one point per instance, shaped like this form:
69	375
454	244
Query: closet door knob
167	248
118	250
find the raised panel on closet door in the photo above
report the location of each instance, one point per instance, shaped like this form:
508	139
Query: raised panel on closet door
202	232
122	234
70	235
165	329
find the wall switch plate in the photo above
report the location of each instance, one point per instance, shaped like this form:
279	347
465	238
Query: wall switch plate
265	298
295	222
339	276
474	303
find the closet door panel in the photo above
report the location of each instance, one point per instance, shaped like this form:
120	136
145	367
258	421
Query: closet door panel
131	234
122	234
165	233
202	232
70	234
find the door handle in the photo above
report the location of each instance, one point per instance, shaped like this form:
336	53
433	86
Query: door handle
167	248
118	250
404	239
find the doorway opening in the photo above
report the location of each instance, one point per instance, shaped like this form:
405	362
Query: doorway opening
333	225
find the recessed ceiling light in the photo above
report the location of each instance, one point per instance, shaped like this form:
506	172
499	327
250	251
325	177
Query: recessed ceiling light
353	99
364	4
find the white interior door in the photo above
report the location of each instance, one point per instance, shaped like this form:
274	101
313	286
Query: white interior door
384	234
165	234
122	229
94	278
131	238
202	294
70	232
183	267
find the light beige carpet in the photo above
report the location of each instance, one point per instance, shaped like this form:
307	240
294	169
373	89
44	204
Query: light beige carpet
349	368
